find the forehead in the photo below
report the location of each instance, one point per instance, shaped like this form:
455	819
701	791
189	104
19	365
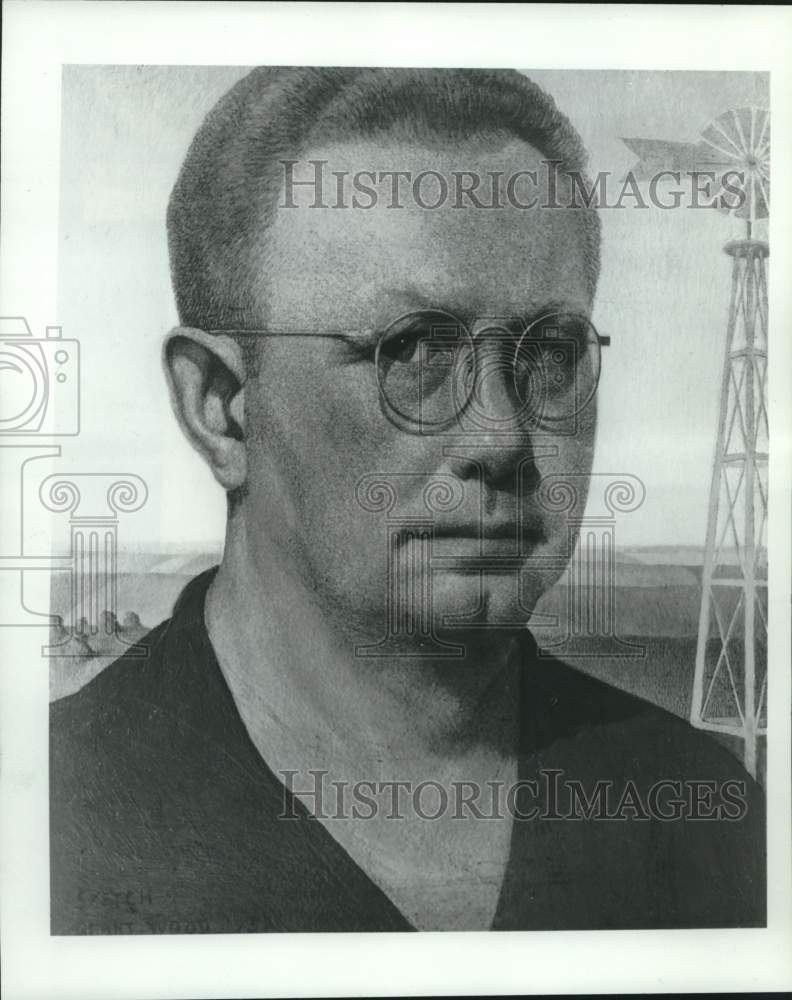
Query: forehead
355	264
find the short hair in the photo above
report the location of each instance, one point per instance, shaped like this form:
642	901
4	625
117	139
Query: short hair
228	187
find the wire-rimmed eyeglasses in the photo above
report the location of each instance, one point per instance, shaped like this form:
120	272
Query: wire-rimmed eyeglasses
431	370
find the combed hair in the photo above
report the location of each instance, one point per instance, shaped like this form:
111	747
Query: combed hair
229	184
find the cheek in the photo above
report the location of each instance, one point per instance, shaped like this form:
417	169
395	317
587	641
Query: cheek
326	413
564	478
311	443
571	453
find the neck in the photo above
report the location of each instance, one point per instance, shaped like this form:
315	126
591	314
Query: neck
302	691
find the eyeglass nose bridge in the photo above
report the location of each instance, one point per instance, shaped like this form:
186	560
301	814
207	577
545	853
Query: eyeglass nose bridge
479	401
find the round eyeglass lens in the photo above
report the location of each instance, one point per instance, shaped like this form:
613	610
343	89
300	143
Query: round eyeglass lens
425	368
557	367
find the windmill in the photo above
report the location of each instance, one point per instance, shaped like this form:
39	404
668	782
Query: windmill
730	679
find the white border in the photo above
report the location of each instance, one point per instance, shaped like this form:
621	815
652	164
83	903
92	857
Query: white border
39	37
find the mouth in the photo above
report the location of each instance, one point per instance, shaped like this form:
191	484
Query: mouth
506	530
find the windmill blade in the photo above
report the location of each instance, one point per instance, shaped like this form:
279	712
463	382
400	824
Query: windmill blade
743	136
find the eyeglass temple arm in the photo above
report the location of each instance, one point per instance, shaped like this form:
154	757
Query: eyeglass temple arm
329	334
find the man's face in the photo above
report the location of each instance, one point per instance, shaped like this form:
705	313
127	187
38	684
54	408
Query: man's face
317	431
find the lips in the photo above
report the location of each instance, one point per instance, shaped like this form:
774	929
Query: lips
492	529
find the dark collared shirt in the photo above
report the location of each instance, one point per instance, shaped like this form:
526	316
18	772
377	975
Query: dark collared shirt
165	818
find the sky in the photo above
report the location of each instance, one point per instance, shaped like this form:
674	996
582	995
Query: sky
662	297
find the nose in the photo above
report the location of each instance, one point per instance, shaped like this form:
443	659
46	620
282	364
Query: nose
498	440
494	404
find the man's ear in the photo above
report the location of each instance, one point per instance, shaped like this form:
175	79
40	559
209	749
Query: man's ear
206	376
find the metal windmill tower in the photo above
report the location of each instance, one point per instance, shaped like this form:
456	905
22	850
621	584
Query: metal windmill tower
730	680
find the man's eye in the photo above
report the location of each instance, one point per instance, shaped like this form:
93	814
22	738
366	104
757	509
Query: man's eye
405	341
419	338
404	348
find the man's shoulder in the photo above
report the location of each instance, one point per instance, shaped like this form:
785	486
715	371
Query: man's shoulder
134	689
653	818
607	724
109	745
119	694
147	771
133	734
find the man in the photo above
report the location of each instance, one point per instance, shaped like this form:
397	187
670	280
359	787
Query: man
369	378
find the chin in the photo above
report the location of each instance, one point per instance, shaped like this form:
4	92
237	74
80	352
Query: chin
461	599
